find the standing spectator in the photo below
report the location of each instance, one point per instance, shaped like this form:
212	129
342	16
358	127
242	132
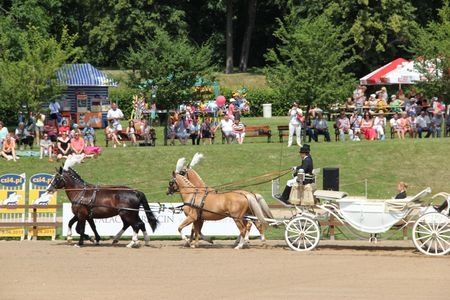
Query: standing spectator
55	114
233	110
40	119
207	130
115	115
343	125
226	126
379	124
3	133
195	132
63	144
46	147
383	94
238	131
367	127
77	143
295	124
89	135
9	148
131	133
320	126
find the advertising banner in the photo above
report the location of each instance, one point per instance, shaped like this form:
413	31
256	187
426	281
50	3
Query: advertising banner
12	192
37	196
168	224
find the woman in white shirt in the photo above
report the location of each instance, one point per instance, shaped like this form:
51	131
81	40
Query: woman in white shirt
295	124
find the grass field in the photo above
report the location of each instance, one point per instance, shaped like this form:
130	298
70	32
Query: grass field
420	162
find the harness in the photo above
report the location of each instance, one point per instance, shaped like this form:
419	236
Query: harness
199	207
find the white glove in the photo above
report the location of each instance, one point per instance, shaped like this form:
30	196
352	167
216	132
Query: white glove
294	168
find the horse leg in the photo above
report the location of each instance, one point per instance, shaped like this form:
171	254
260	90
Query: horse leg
242	230
134	240
81	226
141	226
94	229
185	223
204	237
69	231
119	234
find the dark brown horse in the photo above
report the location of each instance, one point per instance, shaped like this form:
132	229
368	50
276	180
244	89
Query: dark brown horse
97	202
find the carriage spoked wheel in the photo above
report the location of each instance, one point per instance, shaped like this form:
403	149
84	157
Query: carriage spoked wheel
302	233
431	234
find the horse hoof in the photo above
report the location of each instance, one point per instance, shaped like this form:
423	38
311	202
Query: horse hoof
115	242
76	246
97	243
92	239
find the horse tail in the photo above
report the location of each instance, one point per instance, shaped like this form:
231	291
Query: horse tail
256	209
264	206
150	216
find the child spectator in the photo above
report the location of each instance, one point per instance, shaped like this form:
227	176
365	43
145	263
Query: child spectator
46	147
131	133
238	131
89	135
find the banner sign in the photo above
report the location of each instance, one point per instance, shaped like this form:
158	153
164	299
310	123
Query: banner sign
168	224
37	196
12	192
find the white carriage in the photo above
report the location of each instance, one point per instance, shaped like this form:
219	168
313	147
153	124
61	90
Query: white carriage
430	233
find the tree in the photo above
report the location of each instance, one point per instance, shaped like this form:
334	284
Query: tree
245	51
171	64
432	49
229	38
28	65
309	65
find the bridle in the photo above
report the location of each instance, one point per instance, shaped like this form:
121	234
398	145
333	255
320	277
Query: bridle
56	181
173	187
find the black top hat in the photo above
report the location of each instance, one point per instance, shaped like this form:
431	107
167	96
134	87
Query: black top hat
305	149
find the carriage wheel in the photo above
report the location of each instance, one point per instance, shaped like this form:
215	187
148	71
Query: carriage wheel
431	234
302	233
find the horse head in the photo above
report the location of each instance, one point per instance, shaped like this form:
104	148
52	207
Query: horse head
58	181
173	186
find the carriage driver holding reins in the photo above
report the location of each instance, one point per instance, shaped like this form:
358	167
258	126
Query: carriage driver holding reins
306	167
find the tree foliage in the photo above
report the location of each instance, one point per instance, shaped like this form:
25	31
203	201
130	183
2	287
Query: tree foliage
432	48
28	66
171	64
309	65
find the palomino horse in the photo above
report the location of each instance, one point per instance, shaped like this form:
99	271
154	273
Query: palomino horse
198	182
98	202
201	205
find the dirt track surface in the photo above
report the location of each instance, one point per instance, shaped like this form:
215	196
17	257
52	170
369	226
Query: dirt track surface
336	270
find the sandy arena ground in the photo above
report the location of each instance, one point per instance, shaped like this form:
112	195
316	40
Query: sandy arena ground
336	270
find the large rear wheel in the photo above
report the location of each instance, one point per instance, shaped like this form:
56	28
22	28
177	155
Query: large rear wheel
302	233
431	234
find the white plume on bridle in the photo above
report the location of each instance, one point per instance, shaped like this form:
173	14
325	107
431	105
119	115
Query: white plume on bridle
72	160
196	159
180	164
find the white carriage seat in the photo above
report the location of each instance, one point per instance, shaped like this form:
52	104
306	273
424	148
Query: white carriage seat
330	195
408	202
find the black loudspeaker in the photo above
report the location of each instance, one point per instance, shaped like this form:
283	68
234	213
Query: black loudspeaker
331	179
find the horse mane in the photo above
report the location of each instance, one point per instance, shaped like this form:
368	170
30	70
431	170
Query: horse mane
185	180
192	173
76	175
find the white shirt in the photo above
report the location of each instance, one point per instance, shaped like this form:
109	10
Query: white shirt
379	121
54	107
227	126
293	116
116	115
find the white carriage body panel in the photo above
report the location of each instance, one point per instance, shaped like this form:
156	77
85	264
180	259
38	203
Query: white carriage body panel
369	216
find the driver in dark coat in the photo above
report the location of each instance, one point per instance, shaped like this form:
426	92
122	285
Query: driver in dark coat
306	167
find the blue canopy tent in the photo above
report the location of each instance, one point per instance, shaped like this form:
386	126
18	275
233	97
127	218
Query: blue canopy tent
86	97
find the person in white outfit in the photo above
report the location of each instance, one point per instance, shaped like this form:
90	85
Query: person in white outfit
295	124
379	124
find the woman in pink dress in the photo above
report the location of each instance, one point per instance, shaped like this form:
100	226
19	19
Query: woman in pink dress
367	127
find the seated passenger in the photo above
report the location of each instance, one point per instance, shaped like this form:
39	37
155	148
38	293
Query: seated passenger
401	188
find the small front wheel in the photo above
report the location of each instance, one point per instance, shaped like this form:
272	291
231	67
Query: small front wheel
302	233
431	234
